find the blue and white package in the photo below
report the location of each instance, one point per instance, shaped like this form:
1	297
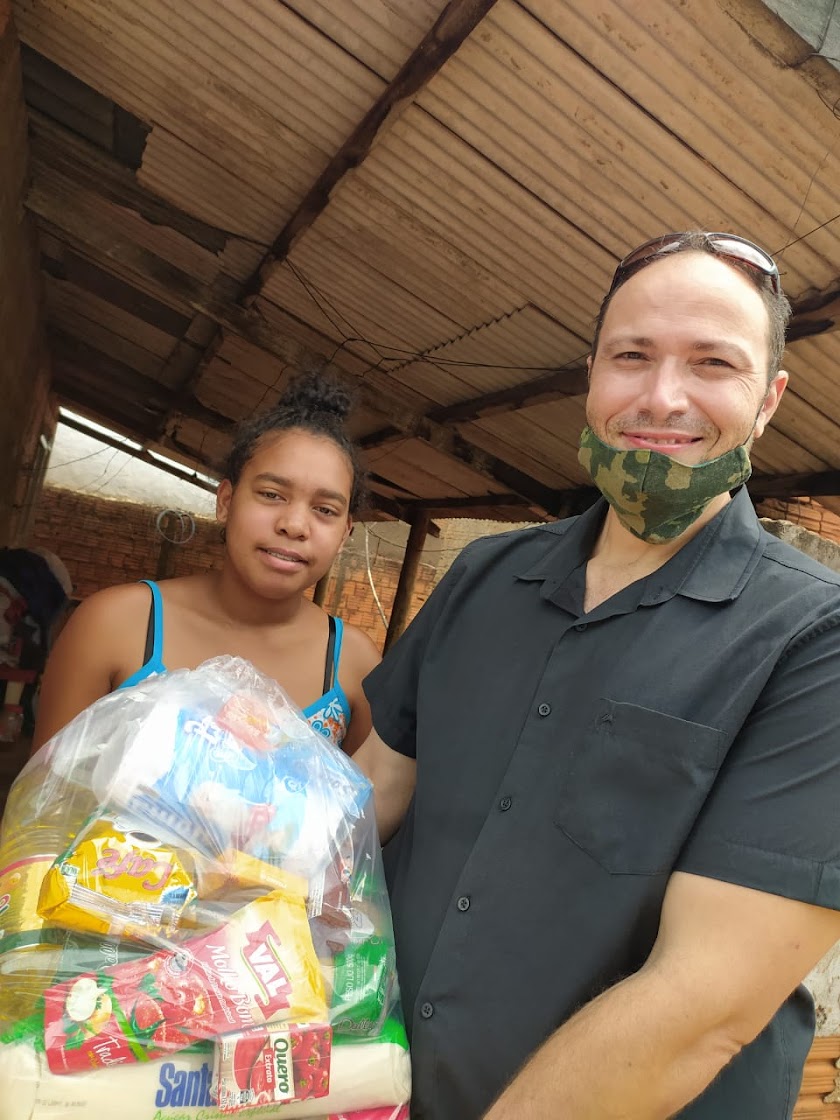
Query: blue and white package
190	771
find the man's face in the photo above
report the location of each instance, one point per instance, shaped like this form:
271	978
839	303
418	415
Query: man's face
681	365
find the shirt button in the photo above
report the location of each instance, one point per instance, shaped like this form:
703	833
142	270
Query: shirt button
427	1010
544	709
581	626
505	804
463	903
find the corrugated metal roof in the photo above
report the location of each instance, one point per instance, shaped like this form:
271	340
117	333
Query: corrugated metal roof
435	245
100	323
197	183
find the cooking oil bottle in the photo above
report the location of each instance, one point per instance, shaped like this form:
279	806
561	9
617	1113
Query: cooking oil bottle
42	816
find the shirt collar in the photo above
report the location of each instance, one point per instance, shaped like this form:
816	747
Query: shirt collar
713	567
576	538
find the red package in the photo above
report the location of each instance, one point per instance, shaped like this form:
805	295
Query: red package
272	1065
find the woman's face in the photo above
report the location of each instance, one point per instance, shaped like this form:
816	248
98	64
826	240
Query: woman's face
289	513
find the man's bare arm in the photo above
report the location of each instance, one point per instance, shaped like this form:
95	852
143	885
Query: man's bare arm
393	776
725	960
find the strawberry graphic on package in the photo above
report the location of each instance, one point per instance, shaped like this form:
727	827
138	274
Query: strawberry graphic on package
272	1064
258	968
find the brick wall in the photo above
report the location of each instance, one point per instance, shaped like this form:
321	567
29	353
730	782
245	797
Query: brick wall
104	542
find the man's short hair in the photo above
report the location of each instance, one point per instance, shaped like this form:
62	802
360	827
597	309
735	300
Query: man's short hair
777	304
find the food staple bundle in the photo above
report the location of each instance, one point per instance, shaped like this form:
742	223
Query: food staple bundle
193	916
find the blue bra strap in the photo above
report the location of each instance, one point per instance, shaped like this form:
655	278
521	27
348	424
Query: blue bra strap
339	634
155	655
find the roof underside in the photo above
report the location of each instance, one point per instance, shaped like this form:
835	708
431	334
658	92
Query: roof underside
427	197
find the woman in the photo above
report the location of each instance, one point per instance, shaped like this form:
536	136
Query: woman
286	505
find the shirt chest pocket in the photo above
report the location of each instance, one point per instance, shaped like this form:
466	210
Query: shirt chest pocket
635	786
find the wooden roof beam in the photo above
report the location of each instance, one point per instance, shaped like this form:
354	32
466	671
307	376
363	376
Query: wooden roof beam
458	19
99	242
815	485
76	270
569	382
469	501
77	360
143	455
455	23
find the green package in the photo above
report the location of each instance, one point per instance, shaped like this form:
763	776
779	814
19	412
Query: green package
362	987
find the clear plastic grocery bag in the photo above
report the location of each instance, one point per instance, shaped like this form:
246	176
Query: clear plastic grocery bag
192	905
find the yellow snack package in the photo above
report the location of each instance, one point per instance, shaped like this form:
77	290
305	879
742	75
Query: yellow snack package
118	879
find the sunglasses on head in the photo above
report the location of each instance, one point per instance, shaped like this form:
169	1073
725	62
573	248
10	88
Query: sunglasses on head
726	245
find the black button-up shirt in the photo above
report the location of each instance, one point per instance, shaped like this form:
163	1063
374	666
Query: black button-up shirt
568	762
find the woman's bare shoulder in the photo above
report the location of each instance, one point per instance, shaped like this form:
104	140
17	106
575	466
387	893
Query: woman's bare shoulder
115	620
120	601
359	648
99	646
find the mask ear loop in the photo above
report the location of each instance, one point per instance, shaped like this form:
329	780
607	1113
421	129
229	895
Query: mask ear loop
755	422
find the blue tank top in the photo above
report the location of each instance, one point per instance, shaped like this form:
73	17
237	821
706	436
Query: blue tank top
329	715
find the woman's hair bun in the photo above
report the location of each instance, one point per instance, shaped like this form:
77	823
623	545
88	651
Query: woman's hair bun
315	394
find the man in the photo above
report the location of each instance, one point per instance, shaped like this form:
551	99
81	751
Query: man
622	853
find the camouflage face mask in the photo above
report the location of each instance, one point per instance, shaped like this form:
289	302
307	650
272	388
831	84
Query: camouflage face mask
654	496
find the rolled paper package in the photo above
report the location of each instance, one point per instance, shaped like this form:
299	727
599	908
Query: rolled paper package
363	1077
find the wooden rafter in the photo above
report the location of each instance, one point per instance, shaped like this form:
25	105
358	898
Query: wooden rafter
470	501
815	485
102	246
569	382
77	359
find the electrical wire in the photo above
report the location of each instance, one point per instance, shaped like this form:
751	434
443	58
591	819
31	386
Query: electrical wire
114	454
129	458
317	296
407	356
81	459
428	551
796	240
370	579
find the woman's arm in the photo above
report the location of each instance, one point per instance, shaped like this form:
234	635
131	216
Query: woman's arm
358	656
393	777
